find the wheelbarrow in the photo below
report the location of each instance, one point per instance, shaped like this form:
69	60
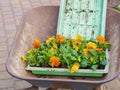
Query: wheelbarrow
41	22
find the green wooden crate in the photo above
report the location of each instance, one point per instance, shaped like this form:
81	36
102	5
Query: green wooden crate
84	17
79	17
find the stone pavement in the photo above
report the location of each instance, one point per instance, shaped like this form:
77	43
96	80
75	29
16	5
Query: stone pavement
11	12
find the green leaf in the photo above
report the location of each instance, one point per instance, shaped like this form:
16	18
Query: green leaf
83	64
93	52
118	7
74	53
39	57
94	67
72	58
104	62
63	48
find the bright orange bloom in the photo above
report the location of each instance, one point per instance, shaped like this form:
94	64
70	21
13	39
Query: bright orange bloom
100	39
86	52
78	37
23	58
36	44
91	45
75	68
55	61
60	38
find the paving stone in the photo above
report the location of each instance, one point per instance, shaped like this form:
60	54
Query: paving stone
4	75
6	9
2	67
9	20
6	84
10	41
3	39
4	1
3	47
3	54
10	27
8	16
3	60
2	33
11	34
19	85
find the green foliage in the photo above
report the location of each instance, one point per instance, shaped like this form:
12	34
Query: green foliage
69	51
118	7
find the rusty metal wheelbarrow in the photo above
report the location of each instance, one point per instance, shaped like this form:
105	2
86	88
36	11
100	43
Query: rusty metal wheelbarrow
41	22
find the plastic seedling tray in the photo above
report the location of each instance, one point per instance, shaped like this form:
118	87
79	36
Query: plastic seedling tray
86	18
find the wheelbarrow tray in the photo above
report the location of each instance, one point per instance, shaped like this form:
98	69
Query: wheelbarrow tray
83	17
41	22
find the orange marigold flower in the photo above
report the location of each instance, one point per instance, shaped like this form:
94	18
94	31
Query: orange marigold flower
86	52
100	39
91	45
75	68
78	37
55	61
36	44
60	38
23	58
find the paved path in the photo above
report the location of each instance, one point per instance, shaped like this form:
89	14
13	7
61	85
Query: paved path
10	15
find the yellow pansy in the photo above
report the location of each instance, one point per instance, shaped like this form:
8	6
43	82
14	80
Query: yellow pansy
23	58
86	52
78	37
91	45
75	47
75	68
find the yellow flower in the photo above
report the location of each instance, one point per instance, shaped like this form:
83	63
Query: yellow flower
50	39
36	44
60	39
54	46
55	61
29	51
23	58
100	39
75	68
86	52
75	47
91	45
52	49
78	37
77	42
